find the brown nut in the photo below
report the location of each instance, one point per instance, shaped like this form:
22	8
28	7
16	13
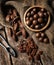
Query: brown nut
37	57
40	14
40	52
41	39
42	9
40	20
38	35
28	22
27	18
37	26
35	16
34	9
32	12
28	14
42	34
32	26
46	40
33	53
23	33
34	22
31	18
10	32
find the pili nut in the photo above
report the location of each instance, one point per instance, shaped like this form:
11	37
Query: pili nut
27	18
15	26
28	22
42	9
40	39
34	9
32	12
10	32
40	52
33	53
35	46
34	22
32	46
40	14
23	33
35	16
37	57
28	49
28	14
42	34
46	40
18	33
40	20
31	18
38	35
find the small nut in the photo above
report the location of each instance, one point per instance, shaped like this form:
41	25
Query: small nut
37	26
34	22
46	40
42	34
40	20
37	35
31	18
34	9
28	14
35	16
40	14
28	22
41	39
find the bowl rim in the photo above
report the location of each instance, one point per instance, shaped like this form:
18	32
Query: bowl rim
38	30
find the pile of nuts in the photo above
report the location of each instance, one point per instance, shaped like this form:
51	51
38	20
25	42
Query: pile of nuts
42	37
36	18
13	18
28	46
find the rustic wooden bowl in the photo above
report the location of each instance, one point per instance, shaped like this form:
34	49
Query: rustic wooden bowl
38	30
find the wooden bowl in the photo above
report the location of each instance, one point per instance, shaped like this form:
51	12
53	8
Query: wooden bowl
37	30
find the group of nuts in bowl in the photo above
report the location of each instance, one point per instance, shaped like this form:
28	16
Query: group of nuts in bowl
36	19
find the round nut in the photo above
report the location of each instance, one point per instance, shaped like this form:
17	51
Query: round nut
31	18
28	22
32	12
28	14
27	18
34	9
36	26
37	35
46	40
32	26
40	39
40	20
42	9
42	34
40	14
34	22
35	16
